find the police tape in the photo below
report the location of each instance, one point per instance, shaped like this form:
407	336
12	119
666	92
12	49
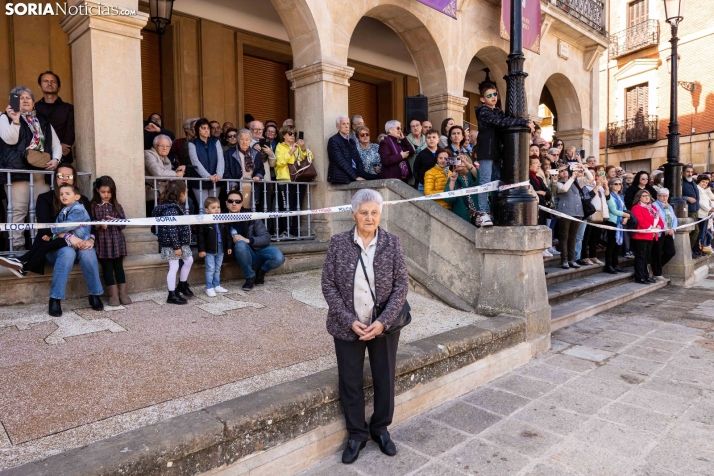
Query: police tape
606	227
207	219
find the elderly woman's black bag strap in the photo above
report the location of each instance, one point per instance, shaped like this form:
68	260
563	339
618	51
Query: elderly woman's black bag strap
403	319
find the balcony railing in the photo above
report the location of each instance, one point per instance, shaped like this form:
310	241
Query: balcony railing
588	12
632	131
637	37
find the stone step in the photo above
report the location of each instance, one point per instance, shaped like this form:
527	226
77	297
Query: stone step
556	274
554	261
574	288
575	310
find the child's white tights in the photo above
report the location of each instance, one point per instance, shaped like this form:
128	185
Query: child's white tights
173	268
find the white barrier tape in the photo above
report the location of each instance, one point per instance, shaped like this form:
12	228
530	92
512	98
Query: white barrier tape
233	217
606	227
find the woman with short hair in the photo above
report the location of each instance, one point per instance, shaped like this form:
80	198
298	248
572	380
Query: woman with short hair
647	217
243	162
287	152
705	210
369	153
618	218
365	269
206	155
663	249
395	150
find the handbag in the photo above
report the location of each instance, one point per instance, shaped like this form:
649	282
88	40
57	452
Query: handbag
588	207
403	165
36	158
303	170
403	319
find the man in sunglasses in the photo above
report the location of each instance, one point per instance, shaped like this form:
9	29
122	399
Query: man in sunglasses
491	122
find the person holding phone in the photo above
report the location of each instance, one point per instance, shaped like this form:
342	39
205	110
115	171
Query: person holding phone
395	149
25	132
289	151
435	178
464	175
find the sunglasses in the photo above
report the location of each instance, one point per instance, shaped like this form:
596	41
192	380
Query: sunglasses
231	136
291	134
63	176
364	135
231	201
492	95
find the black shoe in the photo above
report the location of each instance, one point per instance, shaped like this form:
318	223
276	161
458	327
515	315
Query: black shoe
96	303
175	298
582	262
642	281
55	309
574	264
248	285
351	453
618	269
609	270
651	281
184	289
386	445
260	277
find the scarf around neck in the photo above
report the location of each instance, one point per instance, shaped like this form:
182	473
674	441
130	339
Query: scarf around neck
38	139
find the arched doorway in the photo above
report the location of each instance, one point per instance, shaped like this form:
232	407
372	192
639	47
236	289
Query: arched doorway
494	60
548	114
559	104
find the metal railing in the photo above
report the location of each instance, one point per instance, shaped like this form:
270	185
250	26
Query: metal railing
588	12
632	131
31	213
266	196
634	38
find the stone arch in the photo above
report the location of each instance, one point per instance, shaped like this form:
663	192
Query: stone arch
299	23
567	103
494	58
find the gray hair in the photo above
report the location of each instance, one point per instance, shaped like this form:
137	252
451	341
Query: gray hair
162	136
663	191
613	180
553	150
340	117
22	89
285	122
245	131
187	122
354	118
390	124
366	195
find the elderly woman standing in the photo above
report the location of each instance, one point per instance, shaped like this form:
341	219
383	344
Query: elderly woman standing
158	164
243	163
664	249
352	322
369	153
22	131
395	149
647	217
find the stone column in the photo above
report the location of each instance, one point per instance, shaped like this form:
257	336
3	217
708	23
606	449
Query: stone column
513	278
680	269
580	138
320	96
446	105
106	73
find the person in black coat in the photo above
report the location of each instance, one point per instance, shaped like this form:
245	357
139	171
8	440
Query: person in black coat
152	128
641	181
345	163
543	192
426	159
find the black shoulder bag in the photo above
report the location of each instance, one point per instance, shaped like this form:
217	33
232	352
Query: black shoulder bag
586	200
403	319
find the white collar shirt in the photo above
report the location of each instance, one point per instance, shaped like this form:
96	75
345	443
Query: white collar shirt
362	297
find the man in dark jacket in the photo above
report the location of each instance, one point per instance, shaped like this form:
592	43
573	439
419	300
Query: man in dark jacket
491	123
251	245
345	162
60	113
690	192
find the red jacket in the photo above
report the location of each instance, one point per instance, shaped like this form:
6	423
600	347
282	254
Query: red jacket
645	221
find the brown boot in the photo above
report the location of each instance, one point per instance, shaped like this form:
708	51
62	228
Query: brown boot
123	295
113	294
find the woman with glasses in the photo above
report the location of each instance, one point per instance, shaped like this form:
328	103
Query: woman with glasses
289	151
647	217
242	163
558	144
395	150
618	218
369	153
158	164
640	182
664	250
231	139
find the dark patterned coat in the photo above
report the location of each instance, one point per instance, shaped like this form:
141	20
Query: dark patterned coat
172	236
109	243
338	274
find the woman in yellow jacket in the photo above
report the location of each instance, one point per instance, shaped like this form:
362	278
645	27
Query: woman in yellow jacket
290	195
435	178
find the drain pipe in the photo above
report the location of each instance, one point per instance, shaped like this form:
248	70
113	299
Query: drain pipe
709	151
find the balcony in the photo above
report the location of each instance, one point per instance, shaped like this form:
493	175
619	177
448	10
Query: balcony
635	38
588	12
637	130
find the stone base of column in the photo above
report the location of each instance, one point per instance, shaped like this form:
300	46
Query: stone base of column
513	279
140	241
680	269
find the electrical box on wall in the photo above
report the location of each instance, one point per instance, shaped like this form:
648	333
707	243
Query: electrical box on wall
563	49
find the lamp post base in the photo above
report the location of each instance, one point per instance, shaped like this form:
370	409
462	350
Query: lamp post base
515	207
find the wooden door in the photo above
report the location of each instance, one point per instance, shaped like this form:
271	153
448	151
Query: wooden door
266	89
362	98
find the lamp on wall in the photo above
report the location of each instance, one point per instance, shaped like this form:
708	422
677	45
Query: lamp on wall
160	13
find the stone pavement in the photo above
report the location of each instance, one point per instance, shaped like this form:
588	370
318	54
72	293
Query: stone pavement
627	392
69	381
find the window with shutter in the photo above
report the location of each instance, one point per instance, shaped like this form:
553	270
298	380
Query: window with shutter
151	72
362	98
637	101
636	12
266	89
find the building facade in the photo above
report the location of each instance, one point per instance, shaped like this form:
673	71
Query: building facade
635	80
307	59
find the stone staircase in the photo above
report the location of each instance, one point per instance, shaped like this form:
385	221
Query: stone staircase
576	294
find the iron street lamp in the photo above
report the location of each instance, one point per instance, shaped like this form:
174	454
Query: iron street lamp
515	206
160	13
673	11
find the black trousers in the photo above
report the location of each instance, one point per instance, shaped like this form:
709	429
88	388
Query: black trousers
567	236
40	248
613	249
590	241
350	367
642	250
662	251
289	195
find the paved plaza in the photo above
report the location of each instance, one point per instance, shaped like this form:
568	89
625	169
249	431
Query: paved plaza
627	392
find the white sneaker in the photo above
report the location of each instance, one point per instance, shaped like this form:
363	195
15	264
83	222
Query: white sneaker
210	292
553	251
546	254
486	220
220	289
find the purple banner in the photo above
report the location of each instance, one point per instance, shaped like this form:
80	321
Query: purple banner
531	23
447	7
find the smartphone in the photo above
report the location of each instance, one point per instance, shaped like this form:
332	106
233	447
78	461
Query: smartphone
301	135
574	166
582	154
262	143
15	102
453	161
602	173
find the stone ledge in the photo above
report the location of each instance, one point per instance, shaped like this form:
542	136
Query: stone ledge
230	431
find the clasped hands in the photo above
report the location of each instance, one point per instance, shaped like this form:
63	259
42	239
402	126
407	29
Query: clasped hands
367	332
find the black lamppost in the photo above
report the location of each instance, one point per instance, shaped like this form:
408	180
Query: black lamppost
515	206
673	10
160	12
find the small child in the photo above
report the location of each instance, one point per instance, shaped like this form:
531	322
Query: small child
213	240
175	241
72	212
110	243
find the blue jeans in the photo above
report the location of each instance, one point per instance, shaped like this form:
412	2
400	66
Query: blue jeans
63	260
213	269
488	172
420	187
579	240
249	260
